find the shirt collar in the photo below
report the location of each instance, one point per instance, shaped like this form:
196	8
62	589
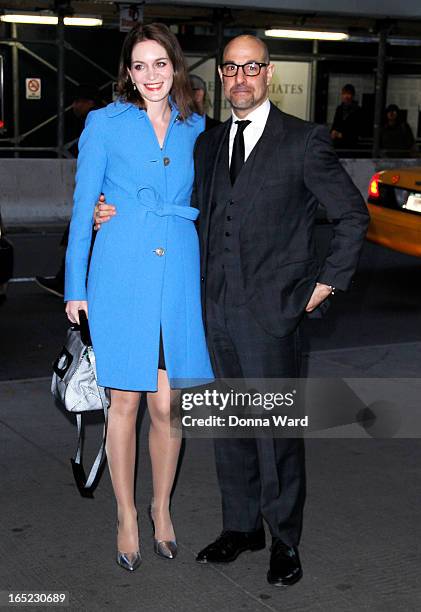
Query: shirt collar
258	116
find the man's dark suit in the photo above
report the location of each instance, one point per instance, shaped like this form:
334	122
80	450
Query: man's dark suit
259	270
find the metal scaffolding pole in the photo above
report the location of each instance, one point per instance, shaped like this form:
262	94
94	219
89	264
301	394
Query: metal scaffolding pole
15	77
18	137
60	85
380	90
219	25
314	80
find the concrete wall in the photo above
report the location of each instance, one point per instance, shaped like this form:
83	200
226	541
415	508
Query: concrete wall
40	191
36	191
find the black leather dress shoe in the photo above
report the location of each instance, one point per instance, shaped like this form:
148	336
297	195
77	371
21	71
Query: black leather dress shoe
285	567
230	544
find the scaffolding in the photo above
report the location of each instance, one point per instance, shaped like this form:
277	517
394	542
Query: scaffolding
19	46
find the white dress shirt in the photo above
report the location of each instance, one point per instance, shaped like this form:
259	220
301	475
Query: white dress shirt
253	132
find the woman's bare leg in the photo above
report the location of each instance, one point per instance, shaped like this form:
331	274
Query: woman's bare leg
164	451
121	455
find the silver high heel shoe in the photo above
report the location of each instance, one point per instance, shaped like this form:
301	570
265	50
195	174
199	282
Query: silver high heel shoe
128	561
167	549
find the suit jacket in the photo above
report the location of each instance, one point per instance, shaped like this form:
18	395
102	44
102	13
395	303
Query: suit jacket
210	123
294	169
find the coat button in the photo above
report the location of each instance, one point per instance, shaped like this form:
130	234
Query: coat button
202	278
159	251
167	161
227	234
229	218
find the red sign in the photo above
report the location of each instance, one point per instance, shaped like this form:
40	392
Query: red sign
33	85
33	88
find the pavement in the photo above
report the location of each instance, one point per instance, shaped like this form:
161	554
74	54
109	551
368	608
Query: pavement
360	545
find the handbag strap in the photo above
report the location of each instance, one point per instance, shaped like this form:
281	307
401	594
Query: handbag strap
84	484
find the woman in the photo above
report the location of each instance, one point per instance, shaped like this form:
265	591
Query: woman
143	290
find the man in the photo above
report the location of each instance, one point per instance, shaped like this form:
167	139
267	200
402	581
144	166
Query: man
346	127
199	93
396	137
259	178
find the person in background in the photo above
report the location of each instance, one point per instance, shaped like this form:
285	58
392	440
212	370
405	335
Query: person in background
346	126
396	137
87	98
199	94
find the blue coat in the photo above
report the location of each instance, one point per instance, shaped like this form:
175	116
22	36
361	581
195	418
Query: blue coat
144	271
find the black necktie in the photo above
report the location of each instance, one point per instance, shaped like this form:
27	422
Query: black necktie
238	152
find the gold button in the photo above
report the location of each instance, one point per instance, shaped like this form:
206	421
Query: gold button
159	251
166	161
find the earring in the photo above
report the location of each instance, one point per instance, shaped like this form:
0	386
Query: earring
134	87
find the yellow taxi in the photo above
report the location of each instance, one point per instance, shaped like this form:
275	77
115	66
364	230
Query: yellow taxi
394	203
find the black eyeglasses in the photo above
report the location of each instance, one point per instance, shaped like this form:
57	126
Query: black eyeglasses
229	69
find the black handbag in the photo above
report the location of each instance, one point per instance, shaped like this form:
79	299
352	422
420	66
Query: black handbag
6	257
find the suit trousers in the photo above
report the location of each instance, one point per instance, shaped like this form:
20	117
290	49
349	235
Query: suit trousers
259	478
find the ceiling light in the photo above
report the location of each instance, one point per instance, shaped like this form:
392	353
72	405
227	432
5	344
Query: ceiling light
26	18
83	21
48	19
306	34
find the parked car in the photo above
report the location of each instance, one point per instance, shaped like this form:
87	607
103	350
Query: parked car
394	203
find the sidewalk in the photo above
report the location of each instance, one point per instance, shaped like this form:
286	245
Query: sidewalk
360	546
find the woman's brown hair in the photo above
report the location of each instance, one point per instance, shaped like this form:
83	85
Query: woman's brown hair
181	91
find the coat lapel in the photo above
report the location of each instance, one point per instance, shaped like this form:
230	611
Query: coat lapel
208	187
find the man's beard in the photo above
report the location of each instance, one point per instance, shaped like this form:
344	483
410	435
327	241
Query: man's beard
243	103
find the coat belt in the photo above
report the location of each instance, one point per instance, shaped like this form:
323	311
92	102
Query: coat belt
150	199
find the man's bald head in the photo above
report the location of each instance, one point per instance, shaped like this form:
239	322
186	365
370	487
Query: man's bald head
250	42
245	92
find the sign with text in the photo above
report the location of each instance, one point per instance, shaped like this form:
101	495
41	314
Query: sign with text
33	88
